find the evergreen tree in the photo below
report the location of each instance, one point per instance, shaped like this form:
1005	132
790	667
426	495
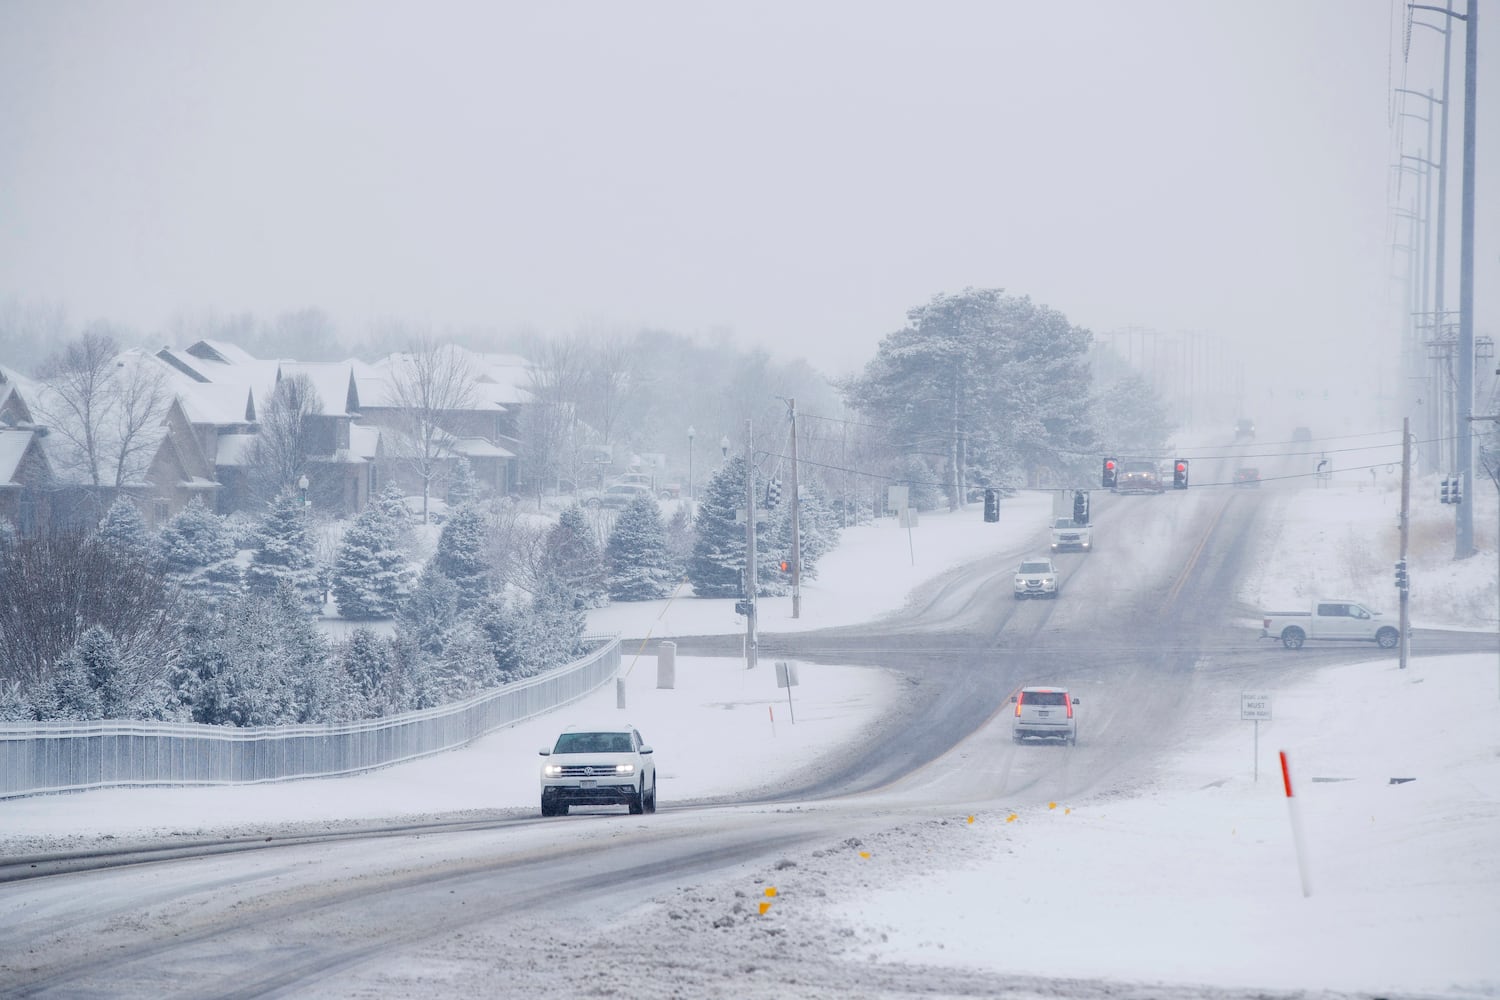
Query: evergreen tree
284	551
196	550
366	660
124	530
819	525
431	612
924	492
718	562
463	488
640	563
392	504
680	538
719	548
554	629
70	696
460	557
371	575
574	561
193	540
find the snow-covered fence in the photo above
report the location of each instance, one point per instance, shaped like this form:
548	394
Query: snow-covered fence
41	757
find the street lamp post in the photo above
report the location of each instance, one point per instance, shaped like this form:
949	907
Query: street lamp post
724	447
691	434
302	487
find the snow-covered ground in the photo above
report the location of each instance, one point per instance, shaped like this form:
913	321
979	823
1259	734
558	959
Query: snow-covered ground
1193	881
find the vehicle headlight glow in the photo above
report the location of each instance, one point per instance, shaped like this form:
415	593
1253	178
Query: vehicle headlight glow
551	770
624	768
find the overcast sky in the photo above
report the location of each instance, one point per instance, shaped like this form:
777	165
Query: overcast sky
798	173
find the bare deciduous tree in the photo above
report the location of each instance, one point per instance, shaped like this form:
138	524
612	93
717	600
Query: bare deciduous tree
429	385
80	399
279	456
141	401
107	406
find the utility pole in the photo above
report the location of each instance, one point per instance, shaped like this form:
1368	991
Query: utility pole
751	581
1403	591
791	405
1464	533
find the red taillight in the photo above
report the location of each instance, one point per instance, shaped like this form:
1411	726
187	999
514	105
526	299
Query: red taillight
1069	702
1019	697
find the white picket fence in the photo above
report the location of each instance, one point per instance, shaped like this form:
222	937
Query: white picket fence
37	758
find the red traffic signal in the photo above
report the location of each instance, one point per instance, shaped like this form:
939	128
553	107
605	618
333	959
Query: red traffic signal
1107	478
1180	474
786	567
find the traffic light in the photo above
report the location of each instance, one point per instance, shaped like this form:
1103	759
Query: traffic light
1180	474
992	505
1458	489
1107	480
1447	495
1080	507
1401	579
773	493
742	608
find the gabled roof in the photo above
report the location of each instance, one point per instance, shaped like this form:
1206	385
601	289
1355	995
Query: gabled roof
500	380
334	381
219	404
221	351
14	443
13	389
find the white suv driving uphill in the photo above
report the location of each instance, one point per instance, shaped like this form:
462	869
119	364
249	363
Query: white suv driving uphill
1045	713
604	766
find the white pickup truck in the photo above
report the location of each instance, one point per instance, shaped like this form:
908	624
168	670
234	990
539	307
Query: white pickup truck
1329	620
1067	535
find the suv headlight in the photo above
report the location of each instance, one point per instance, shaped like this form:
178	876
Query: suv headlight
551	770
624	768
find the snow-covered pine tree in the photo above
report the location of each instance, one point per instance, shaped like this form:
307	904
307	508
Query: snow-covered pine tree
393	505
718	561
640	562
195	549
366	660
463	487
719	548
573	559
819	528
680	537
284	551
460	557
371	575
124	530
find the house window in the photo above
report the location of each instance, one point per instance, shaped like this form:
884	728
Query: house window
161	512
372	479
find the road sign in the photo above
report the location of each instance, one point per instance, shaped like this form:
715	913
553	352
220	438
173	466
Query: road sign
1255	707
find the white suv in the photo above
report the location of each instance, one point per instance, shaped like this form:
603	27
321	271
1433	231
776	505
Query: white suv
1036	578
601	766
1045	713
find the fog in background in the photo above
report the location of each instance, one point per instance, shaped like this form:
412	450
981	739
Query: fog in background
796	174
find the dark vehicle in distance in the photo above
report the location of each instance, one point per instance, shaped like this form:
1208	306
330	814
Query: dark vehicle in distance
1246	476
1138	477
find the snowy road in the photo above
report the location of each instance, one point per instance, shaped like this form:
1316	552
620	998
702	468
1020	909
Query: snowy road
669	905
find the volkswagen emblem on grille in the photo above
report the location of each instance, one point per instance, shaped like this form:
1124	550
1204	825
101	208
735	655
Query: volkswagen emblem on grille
588	770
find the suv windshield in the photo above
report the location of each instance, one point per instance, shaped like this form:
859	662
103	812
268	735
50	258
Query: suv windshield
593	743
1137	467
1045	698
1035	567
1064	522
